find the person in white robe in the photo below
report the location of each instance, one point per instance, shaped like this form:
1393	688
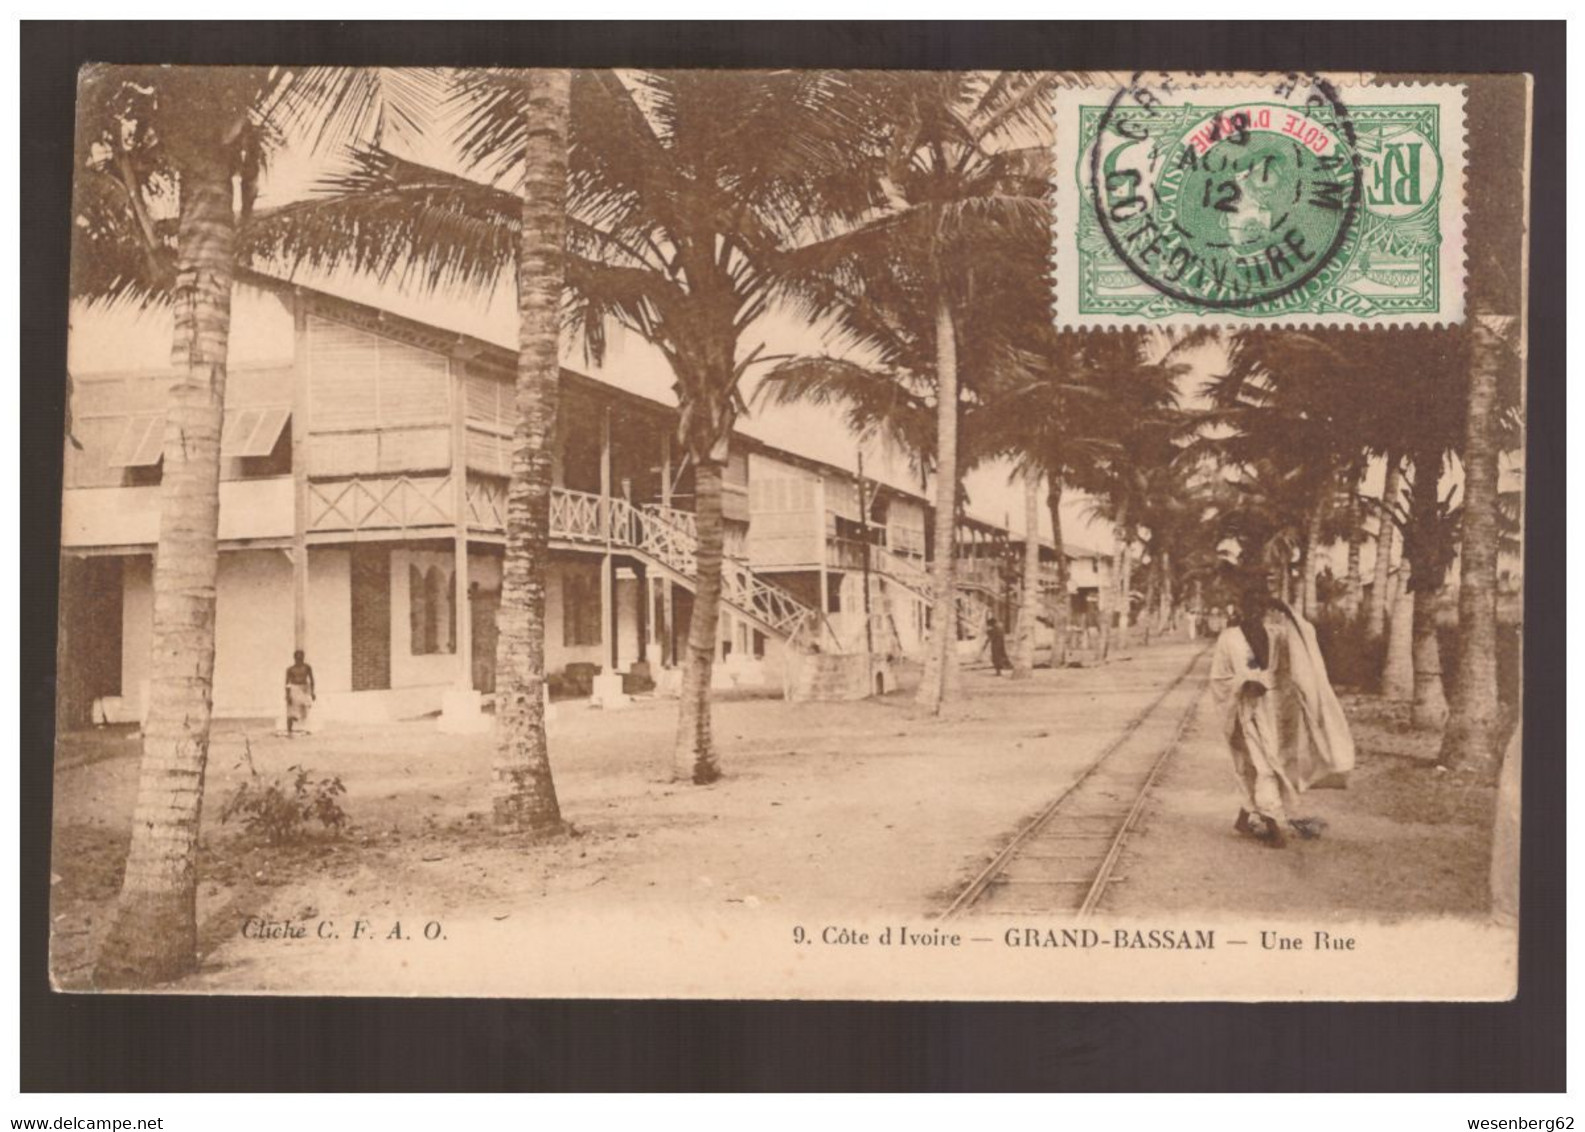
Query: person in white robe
1284	726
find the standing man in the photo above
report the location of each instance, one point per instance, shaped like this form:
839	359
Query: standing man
998	642
1284	726
299	692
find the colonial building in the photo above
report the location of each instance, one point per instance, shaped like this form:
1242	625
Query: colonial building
362	513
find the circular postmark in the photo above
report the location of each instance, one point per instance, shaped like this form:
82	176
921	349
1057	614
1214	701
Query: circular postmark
1228	198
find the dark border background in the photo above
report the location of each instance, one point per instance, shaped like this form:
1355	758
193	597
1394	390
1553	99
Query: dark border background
138	1043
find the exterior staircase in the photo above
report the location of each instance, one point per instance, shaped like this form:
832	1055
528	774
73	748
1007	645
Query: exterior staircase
975	598
668	540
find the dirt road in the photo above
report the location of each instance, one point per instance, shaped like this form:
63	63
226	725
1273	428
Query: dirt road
868	805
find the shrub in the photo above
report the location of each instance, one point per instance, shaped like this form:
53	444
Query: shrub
1352	658
278	810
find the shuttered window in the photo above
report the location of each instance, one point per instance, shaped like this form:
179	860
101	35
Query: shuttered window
252	432
141	443
490	402
491	414
363	381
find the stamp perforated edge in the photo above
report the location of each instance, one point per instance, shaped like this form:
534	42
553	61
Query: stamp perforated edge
1068	198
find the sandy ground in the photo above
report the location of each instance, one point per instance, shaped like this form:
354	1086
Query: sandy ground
868	805
1405	840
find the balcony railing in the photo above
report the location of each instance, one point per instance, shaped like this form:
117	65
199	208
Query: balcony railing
979	573
670	537
380	503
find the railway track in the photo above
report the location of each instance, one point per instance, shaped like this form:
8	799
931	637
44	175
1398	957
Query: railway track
1065	859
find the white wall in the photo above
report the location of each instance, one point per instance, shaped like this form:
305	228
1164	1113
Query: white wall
253	632
130	516
1084	572
330	622
905	522
785	529
558	654
628	597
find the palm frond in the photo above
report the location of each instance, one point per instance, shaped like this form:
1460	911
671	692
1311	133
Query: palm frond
875	402
397	221
336	108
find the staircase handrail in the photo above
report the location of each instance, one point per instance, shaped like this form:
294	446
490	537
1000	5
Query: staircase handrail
671	537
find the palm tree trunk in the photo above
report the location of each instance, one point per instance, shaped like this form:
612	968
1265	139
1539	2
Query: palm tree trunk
694	756
1380	598
1105	596
1397	671
1471	735
1125	581
1029	600
1312	544
1356	537
1164	595
1148	612
524	791
1059	603
155	934
941	656
1430	705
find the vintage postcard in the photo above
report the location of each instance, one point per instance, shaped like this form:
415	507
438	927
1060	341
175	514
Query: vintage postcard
793	535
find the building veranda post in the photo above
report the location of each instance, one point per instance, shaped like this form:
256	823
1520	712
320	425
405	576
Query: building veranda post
365	458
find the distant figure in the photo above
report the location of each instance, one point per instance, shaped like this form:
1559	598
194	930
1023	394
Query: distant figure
998	642
299	692
1284	726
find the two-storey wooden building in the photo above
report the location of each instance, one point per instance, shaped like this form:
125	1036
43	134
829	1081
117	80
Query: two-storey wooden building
362	520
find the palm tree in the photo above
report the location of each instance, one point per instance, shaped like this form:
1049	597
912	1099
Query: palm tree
1352	522
1051	425
1430	544
1472	732
958	165
165	155
1496	230
1397	664
154	936
1292	398
885	309
1418	417
1260	516
1307	408
393	218
1029	595
682	189
1183	507
1137	417
525	792
1380	603
683	185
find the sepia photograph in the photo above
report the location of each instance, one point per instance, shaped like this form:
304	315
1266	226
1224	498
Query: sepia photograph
801	534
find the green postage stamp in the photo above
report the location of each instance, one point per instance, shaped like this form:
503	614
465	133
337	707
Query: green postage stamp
1259	200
